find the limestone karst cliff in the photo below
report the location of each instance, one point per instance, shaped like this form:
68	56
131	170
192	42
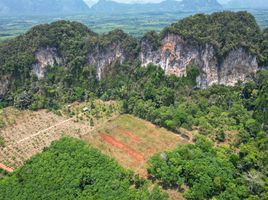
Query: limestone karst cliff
175	54
45	57
222	57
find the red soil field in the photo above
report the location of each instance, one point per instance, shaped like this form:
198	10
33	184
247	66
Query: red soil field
8	169
134	137
131	152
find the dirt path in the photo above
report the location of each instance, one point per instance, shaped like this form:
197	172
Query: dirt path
54	126
40	132
8	169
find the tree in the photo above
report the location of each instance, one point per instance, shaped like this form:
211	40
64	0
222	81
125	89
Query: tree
23	100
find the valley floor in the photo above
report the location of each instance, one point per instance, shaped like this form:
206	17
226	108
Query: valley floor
130	140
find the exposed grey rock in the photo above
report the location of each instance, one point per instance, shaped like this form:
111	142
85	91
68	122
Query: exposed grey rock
237	66
103	59
175	54
4	84
45	57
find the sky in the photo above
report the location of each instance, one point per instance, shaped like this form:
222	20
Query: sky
91	2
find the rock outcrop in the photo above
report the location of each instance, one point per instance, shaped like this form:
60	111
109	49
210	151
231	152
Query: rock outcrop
103	59
4	84
45	57
175	54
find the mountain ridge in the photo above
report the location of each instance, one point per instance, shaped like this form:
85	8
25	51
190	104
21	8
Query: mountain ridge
199	40
42	7
106	6
246	4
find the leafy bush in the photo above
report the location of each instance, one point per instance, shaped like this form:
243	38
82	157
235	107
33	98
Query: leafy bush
23	100
198	166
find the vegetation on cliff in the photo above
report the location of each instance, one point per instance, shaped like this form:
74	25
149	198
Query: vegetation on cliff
264	48
224	30
73	42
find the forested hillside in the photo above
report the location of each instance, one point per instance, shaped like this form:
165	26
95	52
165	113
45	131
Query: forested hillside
78	49
225	31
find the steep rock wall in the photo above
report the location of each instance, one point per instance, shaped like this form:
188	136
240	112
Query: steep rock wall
237	66
102	59
4	84
45	57
175	54
99	57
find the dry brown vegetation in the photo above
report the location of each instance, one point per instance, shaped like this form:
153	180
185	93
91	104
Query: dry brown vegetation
26	133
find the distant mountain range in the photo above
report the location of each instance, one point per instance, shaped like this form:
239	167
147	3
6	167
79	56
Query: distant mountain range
40	7
244	4
59	7
107	6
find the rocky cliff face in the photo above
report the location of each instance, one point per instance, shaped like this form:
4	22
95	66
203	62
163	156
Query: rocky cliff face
45	57
102	59
237	66
4	83
175	54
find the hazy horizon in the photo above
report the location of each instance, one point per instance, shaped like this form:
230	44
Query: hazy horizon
92	2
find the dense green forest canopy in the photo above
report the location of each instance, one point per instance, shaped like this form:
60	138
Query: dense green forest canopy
70	169
208	172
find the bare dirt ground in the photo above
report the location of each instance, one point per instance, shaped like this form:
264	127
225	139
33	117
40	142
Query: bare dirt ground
131	152
132	141
6	168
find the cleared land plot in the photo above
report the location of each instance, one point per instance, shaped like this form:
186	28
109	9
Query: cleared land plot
26	133
132	141
31	132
